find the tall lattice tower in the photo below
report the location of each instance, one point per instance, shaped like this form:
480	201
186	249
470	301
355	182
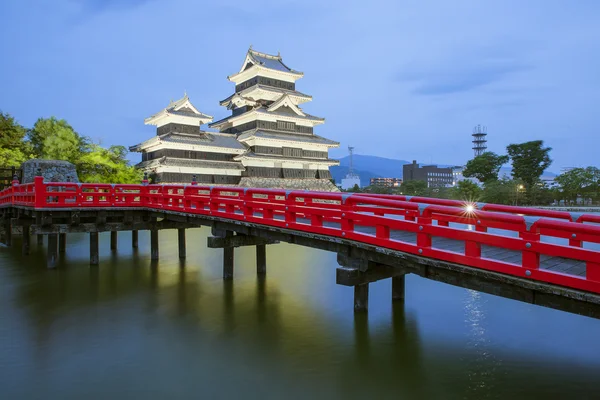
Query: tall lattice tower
351	169
479	140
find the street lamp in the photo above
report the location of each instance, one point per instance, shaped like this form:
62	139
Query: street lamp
519	188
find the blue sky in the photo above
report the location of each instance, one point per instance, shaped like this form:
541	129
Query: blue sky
395	78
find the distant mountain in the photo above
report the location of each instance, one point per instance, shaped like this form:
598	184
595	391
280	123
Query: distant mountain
368	167
379	166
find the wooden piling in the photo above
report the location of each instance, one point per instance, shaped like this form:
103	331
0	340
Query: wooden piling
94	253
228	259
51	251
154	244
26	239
113	240
261	259
40	240
181	241
134	239
8	234
398	288
361	297
62	243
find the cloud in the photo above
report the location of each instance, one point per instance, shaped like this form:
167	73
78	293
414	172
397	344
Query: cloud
103	5
463	71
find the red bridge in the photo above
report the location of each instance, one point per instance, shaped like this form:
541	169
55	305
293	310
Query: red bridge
539	256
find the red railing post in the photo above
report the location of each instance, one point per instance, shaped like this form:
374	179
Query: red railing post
573	241
39	192
531	258
592	271
423	239
290	214
347	206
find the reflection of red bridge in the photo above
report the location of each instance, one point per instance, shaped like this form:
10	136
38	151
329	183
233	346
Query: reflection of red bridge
540	256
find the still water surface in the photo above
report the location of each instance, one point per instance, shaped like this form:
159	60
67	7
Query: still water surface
133	329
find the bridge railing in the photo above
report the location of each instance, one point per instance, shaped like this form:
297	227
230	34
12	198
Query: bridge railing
409	224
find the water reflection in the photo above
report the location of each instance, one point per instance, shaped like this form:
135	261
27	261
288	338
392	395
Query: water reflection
174	328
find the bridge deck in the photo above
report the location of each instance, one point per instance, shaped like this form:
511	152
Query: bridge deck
544	251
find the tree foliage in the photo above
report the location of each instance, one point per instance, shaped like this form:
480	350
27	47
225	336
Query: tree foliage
51	138
579	182
529	160
413	188
13	147
467	190
485	167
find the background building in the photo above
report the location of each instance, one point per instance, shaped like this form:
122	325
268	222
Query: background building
386	182
267	141
180	150
432	174
282	150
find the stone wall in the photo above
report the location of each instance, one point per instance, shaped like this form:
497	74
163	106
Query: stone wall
319	185
51	170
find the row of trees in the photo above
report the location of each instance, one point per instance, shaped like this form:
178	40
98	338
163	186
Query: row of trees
55	139
529	161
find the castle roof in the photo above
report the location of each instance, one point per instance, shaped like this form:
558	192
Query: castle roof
183	108
203	139
293	137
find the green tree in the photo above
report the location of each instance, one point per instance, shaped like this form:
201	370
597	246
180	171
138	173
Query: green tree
467	190
13	147
584	182
529	160
379	189
485	167
49	134
571	183
106	165
503	191
414	188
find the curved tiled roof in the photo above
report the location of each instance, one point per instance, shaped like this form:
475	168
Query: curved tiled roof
296	137
184	162
223	140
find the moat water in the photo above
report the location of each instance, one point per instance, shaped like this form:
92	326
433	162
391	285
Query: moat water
133	329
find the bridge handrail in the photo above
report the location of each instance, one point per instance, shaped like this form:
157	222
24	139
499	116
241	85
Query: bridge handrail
350	216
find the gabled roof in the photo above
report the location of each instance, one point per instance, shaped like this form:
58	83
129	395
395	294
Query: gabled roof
211	139
184	162
264	61
281	112
250	154
267	61
294	137
247	91
182	107
286	101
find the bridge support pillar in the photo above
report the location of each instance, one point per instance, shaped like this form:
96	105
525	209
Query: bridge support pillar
40	240
26	239
113	240
181	242
62	243
94	253
361	297
51	254
261	259
228	259
8	234
398	288
134	239
154	244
